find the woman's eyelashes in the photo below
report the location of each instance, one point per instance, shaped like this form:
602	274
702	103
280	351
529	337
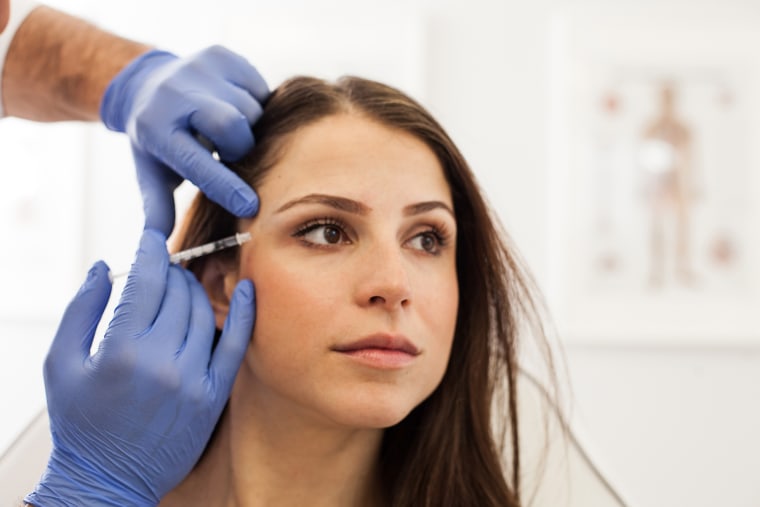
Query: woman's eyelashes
329	232
325	231
430	241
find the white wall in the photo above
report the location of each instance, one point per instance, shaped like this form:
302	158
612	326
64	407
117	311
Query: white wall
671	425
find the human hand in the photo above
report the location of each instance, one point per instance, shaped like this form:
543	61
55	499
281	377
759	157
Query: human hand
130	422
162	102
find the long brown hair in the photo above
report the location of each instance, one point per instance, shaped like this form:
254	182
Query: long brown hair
446	452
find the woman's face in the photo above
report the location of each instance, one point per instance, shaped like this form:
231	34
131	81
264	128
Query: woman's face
353	259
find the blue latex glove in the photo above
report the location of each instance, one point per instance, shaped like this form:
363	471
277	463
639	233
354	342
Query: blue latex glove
162	101
129	422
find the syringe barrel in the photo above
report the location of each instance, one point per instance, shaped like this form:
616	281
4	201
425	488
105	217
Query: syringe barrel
209	248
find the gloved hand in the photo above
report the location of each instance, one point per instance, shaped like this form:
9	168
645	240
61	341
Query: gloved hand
129	422
162	101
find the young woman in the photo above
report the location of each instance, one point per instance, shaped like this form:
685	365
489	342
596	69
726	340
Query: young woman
388	311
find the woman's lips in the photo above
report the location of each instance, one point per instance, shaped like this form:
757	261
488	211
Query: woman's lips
383	351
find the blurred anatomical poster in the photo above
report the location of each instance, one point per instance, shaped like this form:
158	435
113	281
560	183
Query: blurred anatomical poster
655	170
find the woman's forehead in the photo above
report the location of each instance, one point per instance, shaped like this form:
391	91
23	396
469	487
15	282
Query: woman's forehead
348	153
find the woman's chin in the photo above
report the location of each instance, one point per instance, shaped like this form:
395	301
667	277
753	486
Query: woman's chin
372	414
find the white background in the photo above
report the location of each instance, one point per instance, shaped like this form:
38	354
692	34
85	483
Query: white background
672	424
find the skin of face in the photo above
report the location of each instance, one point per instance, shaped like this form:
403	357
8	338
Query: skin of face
383	264
5	6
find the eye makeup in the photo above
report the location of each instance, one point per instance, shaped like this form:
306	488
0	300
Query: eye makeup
334	232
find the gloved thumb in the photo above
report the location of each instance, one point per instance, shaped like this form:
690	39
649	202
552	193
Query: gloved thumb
234	341
157	184
76	331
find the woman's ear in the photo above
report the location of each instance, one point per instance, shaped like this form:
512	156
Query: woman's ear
219	276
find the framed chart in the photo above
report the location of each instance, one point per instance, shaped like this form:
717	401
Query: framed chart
655	174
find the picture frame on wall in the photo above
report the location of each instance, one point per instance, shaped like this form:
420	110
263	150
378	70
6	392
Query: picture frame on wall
655	164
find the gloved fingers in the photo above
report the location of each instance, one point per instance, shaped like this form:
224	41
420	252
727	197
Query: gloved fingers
215	180
157	184
225	126
173	320
76	331
238	98
236	69
200	336
145	288
235	338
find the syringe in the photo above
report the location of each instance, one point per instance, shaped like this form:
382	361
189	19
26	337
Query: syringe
200	251
209	248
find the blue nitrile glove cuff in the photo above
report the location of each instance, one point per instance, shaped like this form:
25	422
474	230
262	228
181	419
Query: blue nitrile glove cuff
117	100
69	483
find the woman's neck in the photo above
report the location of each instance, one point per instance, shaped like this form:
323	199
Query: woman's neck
261	456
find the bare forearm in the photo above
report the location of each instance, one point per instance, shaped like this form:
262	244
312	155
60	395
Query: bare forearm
58	66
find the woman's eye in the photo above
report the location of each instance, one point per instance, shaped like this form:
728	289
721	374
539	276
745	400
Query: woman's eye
324	235
427	241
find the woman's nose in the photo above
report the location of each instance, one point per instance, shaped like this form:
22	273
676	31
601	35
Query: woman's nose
385	280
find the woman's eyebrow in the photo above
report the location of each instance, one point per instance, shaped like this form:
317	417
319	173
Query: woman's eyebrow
358	208
422	207
339	203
